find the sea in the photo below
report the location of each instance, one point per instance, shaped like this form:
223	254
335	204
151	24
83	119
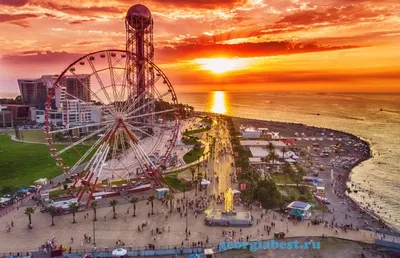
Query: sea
374	117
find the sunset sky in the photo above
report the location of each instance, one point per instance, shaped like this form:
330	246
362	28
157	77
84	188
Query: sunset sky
201	45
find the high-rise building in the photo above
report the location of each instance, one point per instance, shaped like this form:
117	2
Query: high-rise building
74	88
34	92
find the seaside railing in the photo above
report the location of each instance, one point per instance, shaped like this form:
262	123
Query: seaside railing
144	250
107	252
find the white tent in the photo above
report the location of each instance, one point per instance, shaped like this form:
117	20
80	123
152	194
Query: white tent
290	160
235	191
205	182
4	200
41	181
119	252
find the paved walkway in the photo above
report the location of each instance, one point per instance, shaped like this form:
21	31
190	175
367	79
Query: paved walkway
109	231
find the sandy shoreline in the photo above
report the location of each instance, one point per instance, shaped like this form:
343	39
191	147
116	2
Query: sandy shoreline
286	129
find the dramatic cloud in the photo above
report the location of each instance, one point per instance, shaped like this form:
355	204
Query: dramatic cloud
37	57
338	40
332	15
13	2
17	19
89	11
80	21
186	52
207	4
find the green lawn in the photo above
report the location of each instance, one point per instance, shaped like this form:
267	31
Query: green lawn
33	135
23	163
176	183
193	155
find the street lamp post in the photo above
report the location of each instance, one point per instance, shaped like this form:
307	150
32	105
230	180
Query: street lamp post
94	233
187	216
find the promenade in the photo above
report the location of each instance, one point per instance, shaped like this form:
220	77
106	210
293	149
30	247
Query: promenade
107	231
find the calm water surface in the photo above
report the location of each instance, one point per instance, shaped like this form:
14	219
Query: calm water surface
358	114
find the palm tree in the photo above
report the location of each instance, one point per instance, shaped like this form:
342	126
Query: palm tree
272	157
199	178
151	199
284	150
169	197
286	170
193	171
270	147
112	204
94	205
134	200
29	211
52	210
73	207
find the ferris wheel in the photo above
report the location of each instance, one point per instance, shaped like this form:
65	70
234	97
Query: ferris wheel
120	131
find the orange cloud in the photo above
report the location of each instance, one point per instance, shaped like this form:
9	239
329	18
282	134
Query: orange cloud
17	19
333	39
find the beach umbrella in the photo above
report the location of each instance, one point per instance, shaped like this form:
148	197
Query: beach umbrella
119	252
205	182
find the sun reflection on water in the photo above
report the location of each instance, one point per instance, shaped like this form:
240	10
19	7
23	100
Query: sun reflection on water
218	102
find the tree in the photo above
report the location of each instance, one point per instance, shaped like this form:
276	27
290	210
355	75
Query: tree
18	99
272	157
270	147
169	197
73	207
198	167
29	211
112	204
193	171
151	200
94	205
134	200
52	210
267	193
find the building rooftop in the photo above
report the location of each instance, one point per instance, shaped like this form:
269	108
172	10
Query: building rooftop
258	152
253	143
299	205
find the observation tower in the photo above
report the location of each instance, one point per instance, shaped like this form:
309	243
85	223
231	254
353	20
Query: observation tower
125	131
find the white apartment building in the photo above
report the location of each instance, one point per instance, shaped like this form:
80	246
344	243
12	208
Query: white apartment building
76	113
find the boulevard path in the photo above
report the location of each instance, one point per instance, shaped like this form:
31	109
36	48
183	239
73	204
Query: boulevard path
220	164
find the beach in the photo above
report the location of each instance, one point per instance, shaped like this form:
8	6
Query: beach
343	210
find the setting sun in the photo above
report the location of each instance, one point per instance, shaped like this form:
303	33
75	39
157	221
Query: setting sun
221	65
218	105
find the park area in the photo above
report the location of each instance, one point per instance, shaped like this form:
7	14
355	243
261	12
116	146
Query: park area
23	163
